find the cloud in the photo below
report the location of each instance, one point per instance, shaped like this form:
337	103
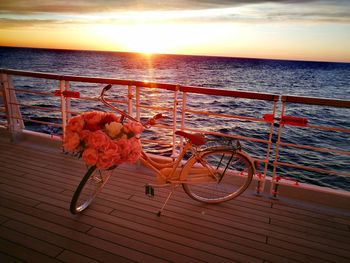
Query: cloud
93	6
19	12
6	23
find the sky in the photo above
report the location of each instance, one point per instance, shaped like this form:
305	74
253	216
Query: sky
317	30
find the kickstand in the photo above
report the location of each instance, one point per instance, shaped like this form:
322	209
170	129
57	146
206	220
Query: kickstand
166	200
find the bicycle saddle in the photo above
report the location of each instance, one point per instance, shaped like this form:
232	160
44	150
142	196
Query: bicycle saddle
196	139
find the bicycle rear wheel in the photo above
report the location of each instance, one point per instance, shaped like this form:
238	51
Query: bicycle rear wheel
91	184
232	172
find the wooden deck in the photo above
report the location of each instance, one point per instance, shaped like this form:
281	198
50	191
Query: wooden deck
37	183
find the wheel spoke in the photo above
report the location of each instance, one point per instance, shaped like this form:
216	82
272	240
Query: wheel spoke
89	187
226	167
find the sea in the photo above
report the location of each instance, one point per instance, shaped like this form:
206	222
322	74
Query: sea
280	77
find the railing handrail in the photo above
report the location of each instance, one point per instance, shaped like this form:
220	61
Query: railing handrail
316	101
173	87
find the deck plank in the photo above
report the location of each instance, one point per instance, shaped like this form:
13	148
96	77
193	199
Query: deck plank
23	253
69	256
37	182
29	242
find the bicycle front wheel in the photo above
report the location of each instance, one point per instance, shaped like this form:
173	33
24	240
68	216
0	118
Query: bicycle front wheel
91	184
231	173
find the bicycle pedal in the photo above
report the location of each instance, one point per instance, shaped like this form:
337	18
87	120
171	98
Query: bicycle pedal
149	190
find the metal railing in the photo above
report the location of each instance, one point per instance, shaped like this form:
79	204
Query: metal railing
65	95
304	124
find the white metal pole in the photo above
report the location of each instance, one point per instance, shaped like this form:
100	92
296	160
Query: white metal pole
274	177
63	106
175	103
263	180
68	101
130	100
14	117
138	114
183	117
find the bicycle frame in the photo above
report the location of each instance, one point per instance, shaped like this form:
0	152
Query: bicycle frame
168	172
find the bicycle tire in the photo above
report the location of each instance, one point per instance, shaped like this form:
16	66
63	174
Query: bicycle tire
234	172
91	184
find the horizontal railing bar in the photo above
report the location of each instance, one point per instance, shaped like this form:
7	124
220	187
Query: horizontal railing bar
312	169
30	74
35	107
317	101
36	121
226	115
314	148
96	99
85	98
88	79
228	93
327	128
173	87
32	92
228	135
163	126
164	143
43	122
143	106
231	93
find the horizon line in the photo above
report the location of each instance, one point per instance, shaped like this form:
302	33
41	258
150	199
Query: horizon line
176	54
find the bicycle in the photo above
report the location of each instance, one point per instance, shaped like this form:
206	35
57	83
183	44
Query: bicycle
211	175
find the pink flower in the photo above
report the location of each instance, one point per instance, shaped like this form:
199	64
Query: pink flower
71	141
98	140
93	117
102	140
90	156
124	149
109	157
104	162
85	135
93	120
134	127
113	152
135	150
76	124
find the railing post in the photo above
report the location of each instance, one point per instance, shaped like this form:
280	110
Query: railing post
138	115
274	180
175	103
183	117
130	96
14	117
63	106
68	101
263	179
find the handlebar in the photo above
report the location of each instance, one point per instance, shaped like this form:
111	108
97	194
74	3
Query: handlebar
150	122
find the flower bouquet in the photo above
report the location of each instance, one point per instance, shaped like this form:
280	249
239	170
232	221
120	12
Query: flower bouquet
102	140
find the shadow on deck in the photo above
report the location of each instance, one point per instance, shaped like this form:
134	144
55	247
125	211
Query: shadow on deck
37	182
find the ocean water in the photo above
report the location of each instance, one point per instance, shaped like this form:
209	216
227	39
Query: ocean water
316	79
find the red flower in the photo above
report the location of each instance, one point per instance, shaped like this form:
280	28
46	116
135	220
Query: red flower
108	118
102	140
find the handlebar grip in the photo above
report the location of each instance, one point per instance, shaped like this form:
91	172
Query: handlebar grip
158	116
108	87
152	121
